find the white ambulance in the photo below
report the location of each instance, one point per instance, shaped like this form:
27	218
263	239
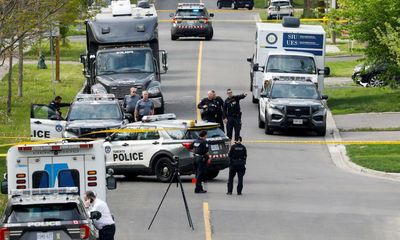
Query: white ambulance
287	51
58	165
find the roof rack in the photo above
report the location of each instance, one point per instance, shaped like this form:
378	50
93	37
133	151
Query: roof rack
160	117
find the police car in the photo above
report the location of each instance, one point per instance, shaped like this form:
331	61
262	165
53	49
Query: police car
46	214
149	147
88	116
191	20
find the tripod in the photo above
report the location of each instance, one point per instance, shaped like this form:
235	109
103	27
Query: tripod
176	175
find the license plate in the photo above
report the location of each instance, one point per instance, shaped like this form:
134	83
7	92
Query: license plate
214	147
190	22
298	121
44	236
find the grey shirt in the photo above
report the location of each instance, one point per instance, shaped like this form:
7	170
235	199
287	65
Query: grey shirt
130	103
144	107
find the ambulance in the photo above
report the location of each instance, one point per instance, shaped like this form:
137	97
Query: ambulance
58	165
287	51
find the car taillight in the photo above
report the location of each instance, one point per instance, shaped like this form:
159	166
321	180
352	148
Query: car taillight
174	20
85	231
205	20
187	145
4	234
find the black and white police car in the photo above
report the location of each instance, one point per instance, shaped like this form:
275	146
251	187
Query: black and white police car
47	214
149	147
191	20
88	116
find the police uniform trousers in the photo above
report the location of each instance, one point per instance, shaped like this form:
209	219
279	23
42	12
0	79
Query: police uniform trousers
107	232
200	166
221	122
240	170
234	122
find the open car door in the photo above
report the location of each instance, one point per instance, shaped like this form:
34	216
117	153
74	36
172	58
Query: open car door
45	123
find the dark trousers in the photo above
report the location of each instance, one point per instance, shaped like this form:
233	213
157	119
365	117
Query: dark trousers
221	123
107	232
200	173
234	122
232	172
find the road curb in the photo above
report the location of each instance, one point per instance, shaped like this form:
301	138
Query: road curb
341	160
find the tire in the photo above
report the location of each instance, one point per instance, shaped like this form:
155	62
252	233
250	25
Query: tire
174	37
254	100
164	170
261	124
210	36
250	8
267	129
219	5
321	132
375	81
211	174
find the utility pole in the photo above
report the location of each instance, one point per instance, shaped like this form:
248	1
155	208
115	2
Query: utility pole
57	58
333	6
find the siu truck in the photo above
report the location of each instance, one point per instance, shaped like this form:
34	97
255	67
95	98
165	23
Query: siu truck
123	52
287	51
58	165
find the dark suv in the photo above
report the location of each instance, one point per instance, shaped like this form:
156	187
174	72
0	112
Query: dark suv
235	4
191	20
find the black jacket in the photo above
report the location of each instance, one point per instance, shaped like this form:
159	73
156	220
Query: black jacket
237	155
232	105
209	113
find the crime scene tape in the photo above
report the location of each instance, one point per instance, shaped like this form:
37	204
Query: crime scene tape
264	21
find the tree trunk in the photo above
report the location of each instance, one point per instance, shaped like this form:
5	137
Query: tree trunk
10	67
20	66
307	8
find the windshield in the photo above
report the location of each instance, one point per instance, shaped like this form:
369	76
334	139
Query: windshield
130	61
44	212
291	64
283	3
190	13
94	112
294	91
211	133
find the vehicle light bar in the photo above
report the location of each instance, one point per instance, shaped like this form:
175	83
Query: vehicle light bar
94	97
55	147
44	191
160	117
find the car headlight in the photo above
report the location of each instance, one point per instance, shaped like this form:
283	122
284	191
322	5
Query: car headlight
277	107
154	90
317	108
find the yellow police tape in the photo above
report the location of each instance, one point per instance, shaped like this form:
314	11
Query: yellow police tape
324	20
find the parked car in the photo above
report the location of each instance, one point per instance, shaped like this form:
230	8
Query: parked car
235	4
279	9
369	75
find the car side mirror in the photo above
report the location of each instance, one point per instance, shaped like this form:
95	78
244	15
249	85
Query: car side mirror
171	14
211	14
83	58
4	186
250	59
164	60
108	139
324	97
95	215
264	94
327	71
128	116
111	183
257	68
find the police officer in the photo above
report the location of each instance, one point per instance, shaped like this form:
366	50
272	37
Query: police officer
56	106
237	162
144	107
200	150
105	224
130	102
233	114
220	110
209	107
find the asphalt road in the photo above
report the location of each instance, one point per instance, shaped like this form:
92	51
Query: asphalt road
291	191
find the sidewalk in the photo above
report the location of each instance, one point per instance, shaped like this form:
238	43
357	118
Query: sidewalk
367	120
332	81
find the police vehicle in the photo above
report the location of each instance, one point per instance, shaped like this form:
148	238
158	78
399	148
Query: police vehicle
286	104
235	4
191	20
52	165
46	214
149	147
88	116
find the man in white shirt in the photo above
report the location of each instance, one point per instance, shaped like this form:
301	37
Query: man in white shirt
105	224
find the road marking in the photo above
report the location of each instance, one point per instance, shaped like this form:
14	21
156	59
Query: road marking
198	81
207	224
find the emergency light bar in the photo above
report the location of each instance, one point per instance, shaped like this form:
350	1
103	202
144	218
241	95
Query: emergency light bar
94	97
160	117
191	5
44	191
54	147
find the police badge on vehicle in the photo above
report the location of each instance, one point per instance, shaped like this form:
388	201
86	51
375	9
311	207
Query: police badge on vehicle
107	149
59	128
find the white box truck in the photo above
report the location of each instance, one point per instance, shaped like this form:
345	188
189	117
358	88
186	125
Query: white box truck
287	51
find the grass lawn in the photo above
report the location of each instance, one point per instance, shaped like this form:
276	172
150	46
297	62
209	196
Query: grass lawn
384	158
362	100
341	68
71	52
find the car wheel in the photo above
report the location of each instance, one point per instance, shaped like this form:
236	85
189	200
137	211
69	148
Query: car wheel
250	8
261	123
174	37
375	81
321	131
211	174
254	100
219	5
164	169
210	36
267	129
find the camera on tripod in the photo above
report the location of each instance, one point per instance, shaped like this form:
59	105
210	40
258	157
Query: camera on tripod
175	161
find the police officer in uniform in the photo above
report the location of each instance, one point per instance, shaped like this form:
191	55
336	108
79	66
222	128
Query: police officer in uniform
237	162
209	107
200	150
220	110
56	106
233	113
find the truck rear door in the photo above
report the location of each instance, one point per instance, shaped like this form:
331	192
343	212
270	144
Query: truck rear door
44	123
